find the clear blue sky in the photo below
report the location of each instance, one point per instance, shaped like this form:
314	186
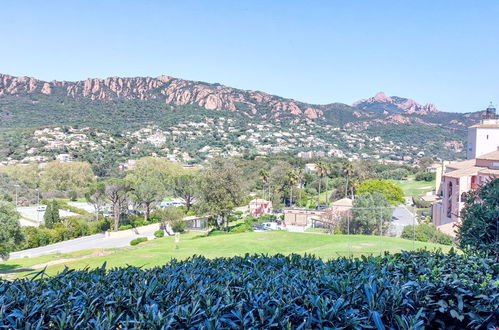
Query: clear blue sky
435	51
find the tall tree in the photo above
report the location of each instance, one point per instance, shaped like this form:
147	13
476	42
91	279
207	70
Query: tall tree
347	171
67	176
117	192
391	190
10	234
185	186
149	181
51	215
321	169
479	230
265	176
221	188
372	214
292	180
169	216
96	195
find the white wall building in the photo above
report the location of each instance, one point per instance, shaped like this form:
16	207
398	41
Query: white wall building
484	137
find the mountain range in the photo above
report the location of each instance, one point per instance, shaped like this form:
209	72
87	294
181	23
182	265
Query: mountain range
119	103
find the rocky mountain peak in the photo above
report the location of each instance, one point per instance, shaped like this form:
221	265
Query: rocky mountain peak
381	103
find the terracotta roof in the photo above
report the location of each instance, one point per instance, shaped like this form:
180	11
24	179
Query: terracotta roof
343	202
494	155
462	164
473	170
485	126
489	171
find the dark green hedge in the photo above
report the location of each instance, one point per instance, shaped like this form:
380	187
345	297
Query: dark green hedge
407	290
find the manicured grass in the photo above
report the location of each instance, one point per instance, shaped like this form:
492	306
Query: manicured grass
411	187
160	251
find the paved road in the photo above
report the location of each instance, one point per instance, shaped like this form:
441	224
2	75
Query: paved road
401	217
31	213
97	241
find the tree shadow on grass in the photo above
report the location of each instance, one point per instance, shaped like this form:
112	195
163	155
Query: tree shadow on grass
13	268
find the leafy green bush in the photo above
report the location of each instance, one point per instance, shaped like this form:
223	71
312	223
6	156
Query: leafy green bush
138	241
241	228
159	233
427	233
479	229
410	290
125	227
425	176
73	196
179	226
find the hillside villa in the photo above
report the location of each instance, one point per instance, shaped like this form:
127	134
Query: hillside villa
457	178
260	206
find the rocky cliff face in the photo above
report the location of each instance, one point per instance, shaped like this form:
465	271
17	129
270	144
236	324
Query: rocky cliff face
168	89
382	103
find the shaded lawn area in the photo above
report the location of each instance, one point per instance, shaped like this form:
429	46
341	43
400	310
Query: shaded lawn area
161	251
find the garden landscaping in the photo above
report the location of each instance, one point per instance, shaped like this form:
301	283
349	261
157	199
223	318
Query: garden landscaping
410	290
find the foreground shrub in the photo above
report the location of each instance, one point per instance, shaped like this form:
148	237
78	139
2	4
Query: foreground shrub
479	229
138	241
159	233
408	290
427	233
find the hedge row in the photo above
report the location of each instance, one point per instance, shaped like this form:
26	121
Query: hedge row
407	290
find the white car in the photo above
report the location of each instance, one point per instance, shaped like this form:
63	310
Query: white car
272	226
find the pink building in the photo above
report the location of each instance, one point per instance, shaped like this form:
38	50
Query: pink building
461	177
260	206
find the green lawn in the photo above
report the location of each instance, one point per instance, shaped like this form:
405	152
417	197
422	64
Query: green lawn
411	187
160	251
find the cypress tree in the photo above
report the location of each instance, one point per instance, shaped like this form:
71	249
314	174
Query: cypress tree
47	217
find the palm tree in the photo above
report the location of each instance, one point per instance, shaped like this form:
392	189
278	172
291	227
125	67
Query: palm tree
265	175
347	172
354	183
329	171
292	179
300	174
320	167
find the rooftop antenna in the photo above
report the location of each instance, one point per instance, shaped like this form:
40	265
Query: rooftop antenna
490	112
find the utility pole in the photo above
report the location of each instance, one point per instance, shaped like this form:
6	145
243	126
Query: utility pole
37	204
17	186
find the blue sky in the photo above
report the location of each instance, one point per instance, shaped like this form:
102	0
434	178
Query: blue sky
441	52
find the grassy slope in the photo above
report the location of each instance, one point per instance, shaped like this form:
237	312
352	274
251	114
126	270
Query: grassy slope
411	187
160	251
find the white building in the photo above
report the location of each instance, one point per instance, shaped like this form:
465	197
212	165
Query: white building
484	137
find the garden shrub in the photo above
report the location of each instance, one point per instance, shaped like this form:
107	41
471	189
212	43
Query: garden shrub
179	226
409	290
425	176
159	233
138	241
427	233
241	228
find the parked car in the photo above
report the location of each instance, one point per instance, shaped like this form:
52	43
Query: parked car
277	225
258	228
321	207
